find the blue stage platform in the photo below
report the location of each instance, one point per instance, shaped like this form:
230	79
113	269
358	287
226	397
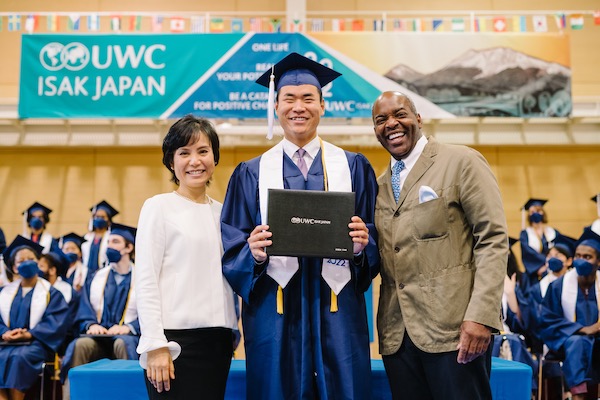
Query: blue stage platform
121	379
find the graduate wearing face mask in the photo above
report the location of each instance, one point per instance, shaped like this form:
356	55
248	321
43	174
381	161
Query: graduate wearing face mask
536	239
76	273
31	310
570	321
93	250
36	219
107	315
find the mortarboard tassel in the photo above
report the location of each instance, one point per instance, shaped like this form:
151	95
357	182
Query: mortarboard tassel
25	224
334	307
271	105
279	300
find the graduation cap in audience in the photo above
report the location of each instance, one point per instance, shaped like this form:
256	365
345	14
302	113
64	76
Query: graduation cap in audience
294	69
104	205
565	244
71	237
589	238
37	206
127	232
17	244
534	202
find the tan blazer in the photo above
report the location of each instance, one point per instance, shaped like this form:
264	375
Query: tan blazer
442	261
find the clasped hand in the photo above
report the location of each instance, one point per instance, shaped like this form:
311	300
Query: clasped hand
16	335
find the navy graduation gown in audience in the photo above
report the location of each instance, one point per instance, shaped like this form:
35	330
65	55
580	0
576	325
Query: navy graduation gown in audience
20	366
308	351
115	301
558	332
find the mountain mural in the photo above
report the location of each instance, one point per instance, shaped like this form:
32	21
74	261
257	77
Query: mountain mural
493	82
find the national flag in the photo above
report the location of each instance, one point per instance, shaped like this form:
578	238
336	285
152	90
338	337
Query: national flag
157	23
399	25
358	25
135	23
74	22
216	25
256	24
31	23
237	25
458	24
379	25
275	25
540	23
93	23
576	22
499	24
317	25
52	23
596	17
480	24
416	25
14	22
437	23
177	24
338	25
115	23
197	24
561	21
296	25
519	23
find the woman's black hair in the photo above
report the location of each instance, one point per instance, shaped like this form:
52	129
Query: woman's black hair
183	132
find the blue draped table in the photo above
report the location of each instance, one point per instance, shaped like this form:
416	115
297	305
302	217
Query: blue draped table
123	379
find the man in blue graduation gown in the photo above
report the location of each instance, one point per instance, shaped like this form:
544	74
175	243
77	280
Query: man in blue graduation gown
570	320
306	333
107	314
32	311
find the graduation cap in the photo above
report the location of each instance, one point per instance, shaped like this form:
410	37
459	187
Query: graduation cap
294	69
17	244
534	202
565	244
71	237
127	232
589	238
104	205
37	206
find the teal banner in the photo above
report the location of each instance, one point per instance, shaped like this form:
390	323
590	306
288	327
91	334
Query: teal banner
168	76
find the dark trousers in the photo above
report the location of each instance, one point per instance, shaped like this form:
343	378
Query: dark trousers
415	374
202	368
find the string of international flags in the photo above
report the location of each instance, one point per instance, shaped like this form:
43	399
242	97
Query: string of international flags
61	22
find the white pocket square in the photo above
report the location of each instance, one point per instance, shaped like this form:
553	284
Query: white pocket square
426	194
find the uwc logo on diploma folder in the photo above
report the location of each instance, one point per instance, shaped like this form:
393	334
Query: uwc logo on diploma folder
310	223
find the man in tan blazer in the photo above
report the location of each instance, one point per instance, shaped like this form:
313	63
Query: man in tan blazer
444	249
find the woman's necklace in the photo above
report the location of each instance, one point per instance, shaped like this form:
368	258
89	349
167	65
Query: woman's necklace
205	201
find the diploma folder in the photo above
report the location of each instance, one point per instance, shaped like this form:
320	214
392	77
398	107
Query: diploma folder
310	223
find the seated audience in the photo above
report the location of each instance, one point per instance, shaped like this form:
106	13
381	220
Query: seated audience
32	321
107	315
569	320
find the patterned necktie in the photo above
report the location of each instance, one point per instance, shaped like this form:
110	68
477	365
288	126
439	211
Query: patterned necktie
301	163
399	166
